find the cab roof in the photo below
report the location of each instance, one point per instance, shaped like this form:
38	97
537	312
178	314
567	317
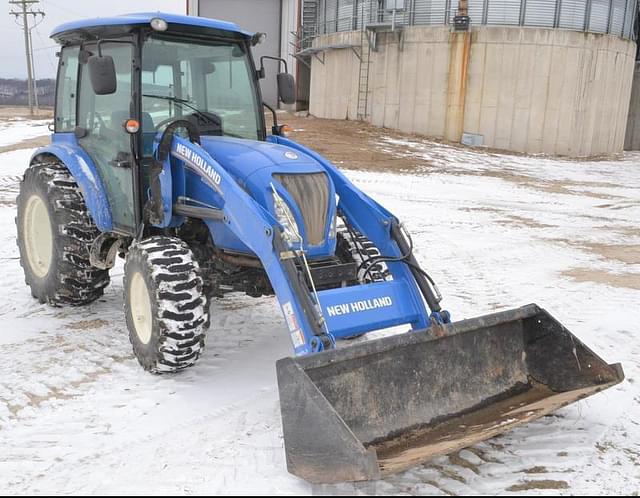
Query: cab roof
109	26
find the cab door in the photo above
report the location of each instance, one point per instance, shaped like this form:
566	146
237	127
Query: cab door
102	135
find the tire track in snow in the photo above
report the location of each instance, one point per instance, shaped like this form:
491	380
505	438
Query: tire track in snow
203	435
9	189
42	449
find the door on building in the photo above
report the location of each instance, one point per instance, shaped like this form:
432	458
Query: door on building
253	15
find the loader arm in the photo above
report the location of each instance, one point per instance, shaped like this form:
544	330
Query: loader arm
381	227
314	320
188	165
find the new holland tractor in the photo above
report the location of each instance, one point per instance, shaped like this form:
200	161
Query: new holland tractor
161	156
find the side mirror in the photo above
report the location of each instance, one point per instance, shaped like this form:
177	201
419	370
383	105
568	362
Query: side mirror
102	72
287	88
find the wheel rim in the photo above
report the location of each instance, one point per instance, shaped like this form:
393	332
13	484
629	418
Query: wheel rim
38	236
140	305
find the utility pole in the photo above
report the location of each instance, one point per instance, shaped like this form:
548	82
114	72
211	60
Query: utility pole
33	72
25	10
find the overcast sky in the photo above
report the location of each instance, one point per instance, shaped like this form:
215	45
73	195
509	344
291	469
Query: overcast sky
12	56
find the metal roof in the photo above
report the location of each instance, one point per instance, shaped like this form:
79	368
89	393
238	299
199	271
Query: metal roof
145	18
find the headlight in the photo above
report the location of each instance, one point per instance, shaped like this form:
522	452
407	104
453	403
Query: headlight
310	194
333	228
286	219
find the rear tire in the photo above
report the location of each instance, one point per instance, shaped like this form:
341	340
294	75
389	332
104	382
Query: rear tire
166	312
55	233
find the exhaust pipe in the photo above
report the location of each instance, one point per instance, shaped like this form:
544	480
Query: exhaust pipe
379	407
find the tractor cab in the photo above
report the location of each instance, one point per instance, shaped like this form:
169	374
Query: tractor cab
122	80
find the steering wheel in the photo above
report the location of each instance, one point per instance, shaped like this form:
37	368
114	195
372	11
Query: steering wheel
165	122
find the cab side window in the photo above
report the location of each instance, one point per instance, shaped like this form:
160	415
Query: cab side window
159	81
66	91
103	137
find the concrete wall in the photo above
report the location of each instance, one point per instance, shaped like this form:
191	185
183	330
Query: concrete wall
523	89
632	139
333	91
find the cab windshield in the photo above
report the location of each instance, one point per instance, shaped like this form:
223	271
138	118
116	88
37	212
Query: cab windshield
211	84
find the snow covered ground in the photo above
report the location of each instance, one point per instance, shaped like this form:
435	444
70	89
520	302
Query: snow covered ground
77	414
16	129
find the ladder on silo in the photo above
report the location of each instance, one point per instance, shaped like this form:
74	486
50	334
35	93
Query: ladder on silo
309	22
363	76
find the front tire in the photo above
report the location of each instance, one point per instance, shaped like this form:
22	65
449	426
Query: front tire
55	233
166	312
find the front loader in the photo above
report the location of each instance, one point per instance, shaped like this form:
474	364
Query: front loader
161	156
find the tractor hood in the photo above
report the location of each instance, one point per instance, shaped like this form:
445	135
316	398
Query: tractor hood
299	180
252	163
242	157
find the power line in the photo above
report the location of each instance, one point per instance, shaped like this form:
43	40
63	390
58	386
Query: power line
48	49
66	9
22	16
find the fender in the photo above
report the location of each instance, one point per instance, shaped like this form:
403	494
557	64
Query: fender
65	147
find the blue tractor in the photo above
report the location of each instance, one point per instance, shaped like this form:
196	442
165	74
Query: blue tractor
161	156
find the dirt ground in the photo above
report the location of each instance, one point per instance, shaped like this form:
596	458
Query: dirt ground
348	144
7	112
341	139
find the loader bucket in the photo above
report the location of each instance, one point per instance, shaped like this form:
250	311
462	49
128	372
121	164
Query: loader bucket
375	408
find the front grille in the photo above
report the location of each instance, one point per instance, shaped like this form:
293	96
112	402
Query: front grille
311	194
